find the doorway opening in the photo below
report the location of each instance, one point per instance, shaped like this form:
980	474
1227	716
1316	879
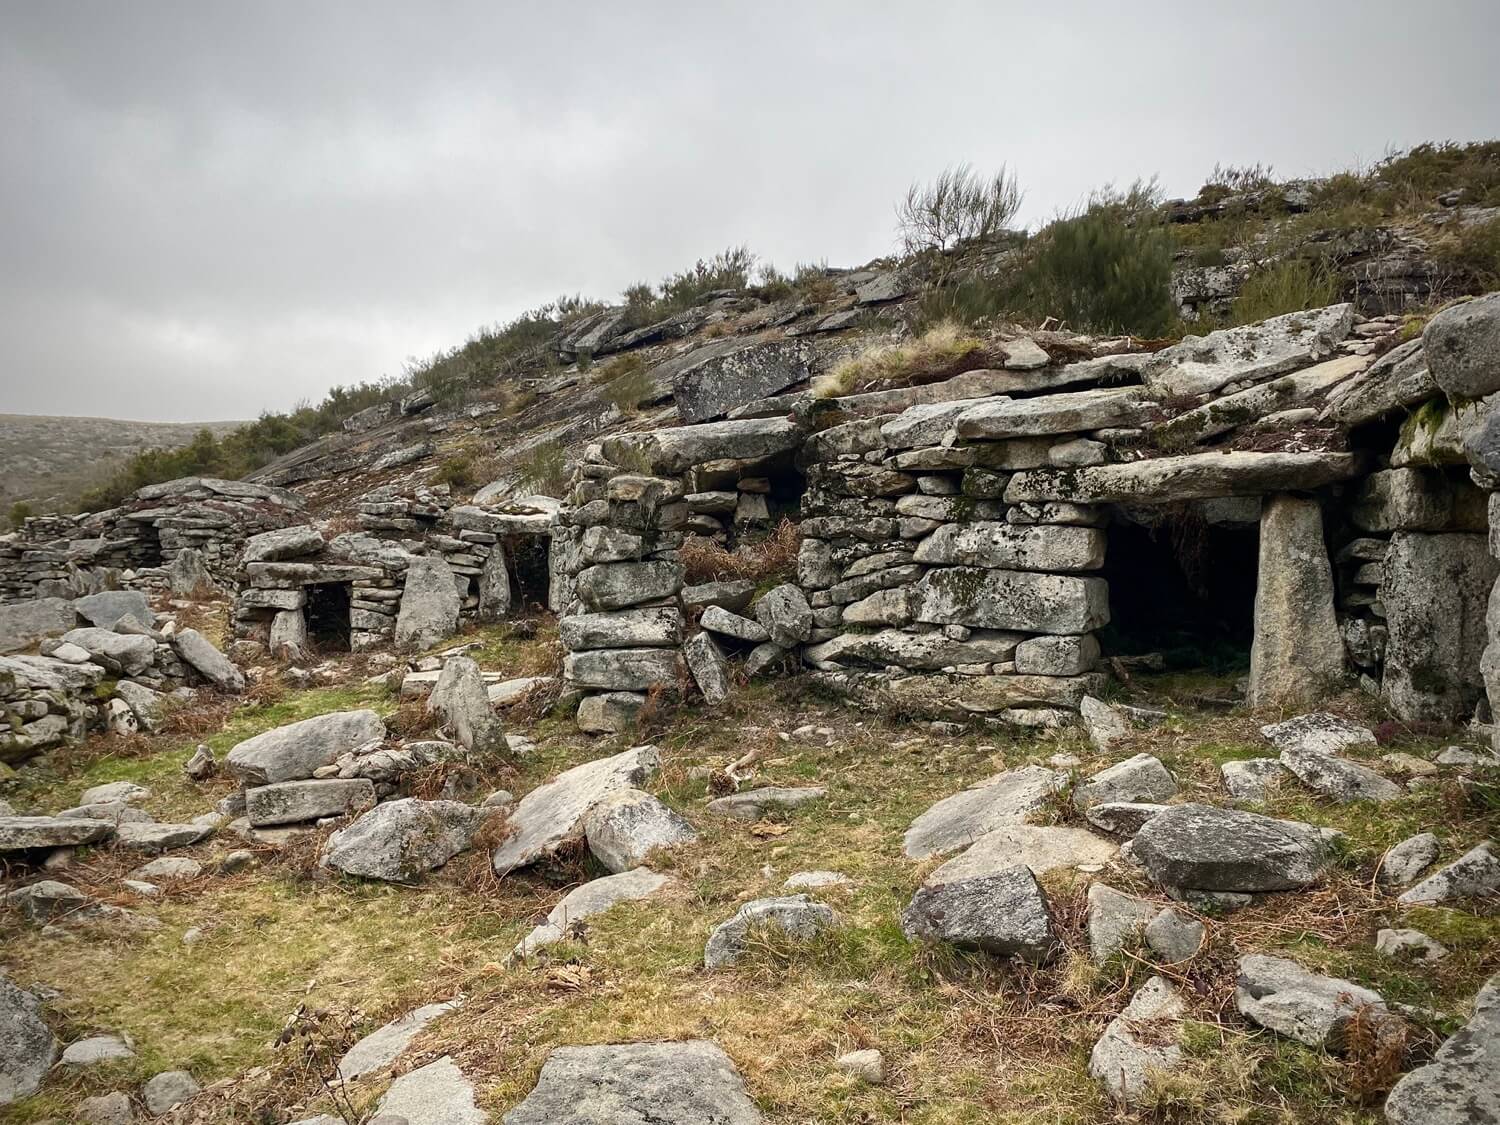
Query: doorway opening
530	576
328	616
1182	587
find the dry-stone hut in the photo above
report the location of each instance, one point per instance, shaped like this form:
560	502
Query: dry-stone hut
1312	489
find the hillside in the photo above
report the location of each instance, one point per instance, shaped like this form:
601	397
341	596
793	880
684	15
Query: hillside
45	460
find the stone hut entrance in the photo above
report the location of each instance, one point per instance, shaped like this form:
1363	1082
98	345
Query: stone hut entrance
1182	583
327	610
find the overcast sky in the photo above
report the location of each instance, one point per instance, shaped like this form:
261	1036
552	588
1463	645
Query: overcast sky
210	209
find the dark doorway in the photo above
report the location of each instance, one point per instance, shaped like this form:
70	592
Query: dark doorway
328	616
1183	587
529	574
147	551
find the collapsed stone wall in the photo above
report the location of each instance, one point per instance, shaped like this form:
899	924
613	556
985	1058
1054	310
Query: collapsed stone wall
170	536
954	533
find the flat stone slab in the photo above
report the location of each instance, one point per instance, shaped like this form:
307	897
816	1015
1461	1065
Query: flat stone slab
294	751
436	1094
753	804
593	897
1286	998
1318	732
1194	476
1142	1041
955	822
1337	779
551	815
983	598
292	802
1461	1085
384	1046
20	833
400	841
1039	847
1475	874
688	1083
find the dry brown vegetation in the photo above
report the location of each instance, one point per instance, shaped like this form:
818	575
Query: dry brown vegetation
773	557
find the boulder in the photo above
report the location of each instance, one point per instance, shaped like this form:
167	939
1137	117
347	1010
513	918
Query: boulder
1193	476
108	608
462	704
785	614
627	826
120	653
1318	733
1107	726
1282	996
1462	345
593	897
1122	818
429	603
400	841
753	804
1461	1085
1040	848
710	670
1012	599
435	1094
292	802
295	751
96	1049
1405	862
1436	591
797	916
188	575
1003	912
551	816
1142	1042
27	1046
152	838
1297	655
685	1083
1248	354
653	627
1141	778
123	791
715	384
619	585
23	624
1475	874
1013	797
1396	381
1201	847
199	652
376	1051
1338	779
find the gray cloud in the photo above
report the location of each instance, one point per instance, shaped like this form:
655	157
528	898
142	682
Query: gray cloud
209	209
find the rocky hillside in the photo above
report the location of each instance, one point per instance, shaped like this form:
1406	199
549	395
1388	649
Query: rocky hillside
46	461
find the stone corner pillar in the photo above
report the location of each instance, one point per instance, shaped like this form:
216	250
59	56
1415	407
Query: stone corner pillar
1297	656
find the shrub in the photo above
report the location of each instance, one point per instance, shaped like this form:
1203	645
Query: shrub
20	512
1473	252
958	206
543	470
943	350
458	471
1108	269
1227	179
626	382
774	557
1284	287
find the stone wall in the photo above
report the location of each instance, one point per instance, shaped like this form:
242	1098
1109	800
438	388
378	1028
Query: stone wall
953	533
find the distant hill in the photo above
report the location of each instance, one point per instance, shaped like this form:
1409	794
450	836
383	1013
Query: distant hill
47	461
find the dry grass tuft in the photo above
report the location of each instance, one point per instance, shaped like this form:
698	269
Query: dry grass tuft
774	557
944	350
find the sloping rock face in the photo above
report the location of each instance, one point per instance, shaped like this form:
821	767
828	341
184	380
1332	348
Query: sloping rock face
712	386
23	624
1461	1085
293	752
688	1083
1005	799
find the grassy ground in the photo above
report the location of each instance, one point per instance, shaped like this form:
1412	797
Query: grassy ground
291	953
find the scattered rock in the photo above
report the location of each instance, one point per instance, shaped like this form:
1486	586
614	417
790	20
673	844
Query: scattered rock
1003	912
1141	778
593	897
551	815
955	822
294	751
813	880
1141	1042
628	825
796	915
400	841
202	765
27	1047
294	802
463	706
1475	874
22	833
1408	859
1042	849
753	804
106	1109
1286	998
1122	818
1318	733
1206	848
1337	779
687	1083
1411	945
1113	917
1174	936
1107	727
125	791
198	651
785	614
1249	779
867	1065
96	1049
1461	1085
383	1046
169	1089
167	868
705	660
